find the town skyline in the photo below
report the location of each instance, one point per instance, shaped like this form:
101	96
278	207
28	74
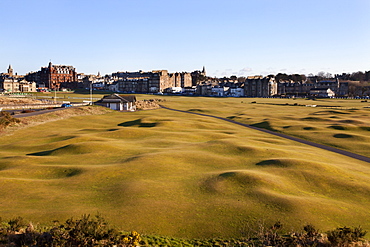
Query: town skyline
65	77
228	37
324	74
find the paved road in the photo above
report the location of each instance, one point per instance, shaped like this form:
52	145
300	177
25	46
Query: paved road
328	148
20	115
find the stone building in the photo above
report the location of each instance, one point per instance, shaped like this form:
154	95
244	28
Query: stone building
322	92
198	76
259	86
339	88
14	85
56	77
34	77
181	79
296	89
10	85
302	89
26	86
151	82
10	71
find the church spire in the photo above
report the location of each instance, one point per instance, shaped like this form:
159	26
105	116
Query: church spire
10	70
204	70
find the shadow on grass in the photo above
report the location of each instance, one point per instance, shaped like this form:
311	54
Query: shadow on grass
337	127
329	112
138	123
72	172
45	153
264	125
342	136
227	174
312	119
197	110
3	167
273	162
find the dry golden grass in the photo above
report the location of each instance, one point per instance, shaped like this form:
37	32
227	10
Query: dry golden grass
176	174
16	101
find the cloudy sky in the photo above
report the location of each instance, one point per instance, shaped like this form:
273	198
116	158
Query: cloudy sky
228	37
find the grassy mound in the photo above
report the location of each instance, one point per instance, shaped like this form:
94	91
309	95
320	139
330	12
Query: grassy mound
185	175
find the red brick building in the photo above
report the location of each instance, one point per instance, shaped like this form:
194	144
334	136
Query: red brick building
56	77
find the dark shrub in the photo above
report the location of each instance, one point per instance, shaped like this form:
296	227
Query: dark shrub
346	235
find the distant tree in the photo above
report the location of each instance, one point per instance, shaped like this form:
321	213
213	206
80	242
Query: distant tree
320	76
241	79
323	75
281	77
367	76
358	76
298	78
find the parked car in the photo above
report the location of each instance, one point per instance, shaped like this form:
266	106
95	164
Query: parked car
65	105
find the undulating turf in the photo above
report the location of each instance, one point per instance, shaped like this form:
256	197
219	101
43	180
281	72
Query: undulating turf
176	174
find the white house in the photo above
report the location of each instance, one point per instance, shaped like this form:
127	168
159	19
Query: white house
236	92
322	92
219	91
118	102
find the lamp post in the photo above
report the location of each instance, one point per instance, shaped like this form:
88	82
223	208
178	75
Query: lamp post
55	95
91	93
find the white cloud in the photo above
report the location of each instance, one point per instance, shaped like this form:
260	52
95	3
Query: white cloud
245	71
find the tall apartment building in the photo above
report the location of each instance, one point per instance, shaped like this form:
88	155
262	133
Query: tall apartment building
259	86
151	82
56	77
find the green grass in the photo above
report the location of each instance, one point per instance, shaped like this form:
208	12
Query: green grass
175	174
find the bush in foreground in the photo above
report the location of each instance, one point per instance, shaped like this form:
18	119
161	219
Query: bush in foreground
94	231
6	120
87	231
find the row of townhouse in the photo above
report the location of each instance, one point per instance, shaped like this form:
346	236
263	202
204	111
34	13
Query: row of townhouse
150	82
156	81
57	77
259	86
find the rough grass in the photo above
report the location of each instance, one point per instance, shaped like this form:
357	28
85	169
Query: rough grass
185	175
291	116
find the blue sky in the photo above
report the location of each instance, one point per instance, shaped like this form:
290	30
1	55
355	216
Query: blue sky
229	37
